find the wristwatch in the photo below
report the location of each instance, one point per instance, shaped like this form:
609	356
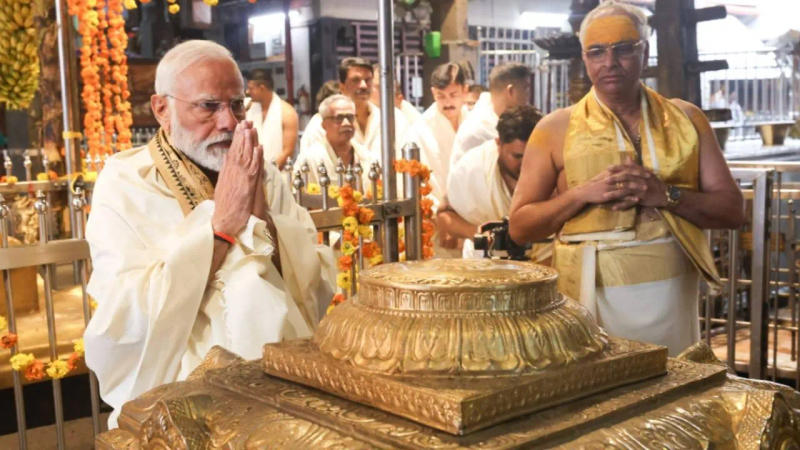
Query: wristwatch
673	196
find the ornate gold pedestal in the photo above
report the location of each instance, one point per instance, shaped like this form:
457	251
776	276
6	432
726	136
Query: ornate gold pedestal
469	354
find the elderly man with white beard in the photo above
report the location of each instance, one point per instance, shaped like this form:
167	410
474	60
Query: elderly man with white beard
196	242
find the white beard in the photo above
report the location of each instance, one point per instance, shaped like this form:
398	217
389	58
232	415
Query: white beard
203	153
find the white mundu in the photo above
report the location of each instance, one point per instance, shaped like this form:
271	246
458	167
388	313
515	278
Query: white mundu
476	190
435	135
269	127
158	313
479	127
321	152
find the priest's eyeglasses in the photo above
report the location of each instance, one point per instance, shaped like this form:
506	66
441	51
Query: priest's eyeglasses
620	50
205	109
339	118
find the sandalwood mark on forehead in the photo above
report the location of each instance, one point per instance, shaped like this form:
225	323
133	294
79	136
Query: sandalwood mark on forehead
605	30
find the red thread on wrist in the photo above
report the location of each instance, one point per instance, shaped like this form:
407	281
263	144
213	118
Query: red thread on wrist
227	238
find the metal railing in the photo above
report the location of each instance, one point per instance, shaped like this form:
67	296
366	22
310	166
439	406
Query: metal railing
759	87
754	324
44	256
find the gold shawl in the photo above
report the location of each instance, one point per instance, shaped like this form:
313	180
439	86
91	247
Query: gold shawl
670	147
188	183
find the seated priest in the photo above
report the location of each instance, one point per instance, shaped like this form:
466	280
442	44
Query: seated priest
195	241
338	146
482	182
628	179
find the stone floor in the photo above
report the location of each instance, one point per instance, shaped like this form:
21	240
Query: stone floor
77	435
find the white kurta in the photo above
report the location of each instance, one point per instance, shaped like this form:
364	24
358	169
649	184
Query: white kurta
369	138
157	316
322	153
434	134
269	127
479	127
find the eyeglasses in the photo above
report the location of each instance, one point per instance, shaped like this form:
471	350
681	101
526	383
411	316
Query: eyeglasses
619	50
205	109
339	118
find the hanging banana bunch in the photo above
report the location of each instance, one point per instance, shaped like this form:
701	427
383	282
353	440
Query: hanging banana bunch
19	55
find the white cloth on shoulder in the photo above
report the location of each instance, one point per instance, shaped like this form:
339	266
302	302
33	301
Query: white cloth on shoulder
479	127
269	127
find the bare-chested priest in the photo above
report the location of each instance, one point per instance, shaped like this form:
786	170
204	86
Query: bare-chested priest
636	177
195	241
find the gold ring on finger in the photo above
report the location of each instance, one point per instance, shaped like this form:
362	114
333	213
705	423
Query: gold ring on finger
620	185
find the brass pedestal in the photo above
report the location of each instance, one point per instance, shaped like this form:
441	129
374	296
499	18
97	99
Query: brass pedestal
460	354
693	405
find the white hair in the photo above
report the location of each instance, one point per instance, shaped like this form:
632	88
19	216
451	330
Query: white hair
325	106
183	56
208	153
609	7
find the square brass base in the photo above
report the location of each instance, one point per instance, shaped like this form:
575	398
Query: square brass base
460	406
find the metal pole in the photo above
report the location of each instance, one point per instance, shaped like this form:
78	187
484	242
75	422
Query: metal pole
733	241
386	47
79	203
19	399
68	96
413	223
41	208
288	58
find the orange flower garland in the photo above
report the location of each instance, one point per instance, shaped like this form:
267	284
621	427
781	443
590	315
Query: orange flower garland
417	169
104	73
34	369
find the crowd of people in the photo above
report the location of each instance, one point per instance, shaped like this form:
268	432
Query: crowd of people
197	241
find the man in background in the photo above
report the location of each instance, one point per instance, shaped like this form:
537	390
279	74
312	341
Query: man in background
274	120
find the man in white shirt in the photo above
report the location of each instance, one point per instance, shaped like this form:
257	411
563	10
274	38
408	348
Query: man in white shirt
355	81
509	86
273	119
338	115
195	240
435	132
483	181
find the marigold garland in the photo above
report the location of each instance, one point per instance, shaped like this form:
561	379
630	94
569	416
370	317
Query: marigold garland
417	169
104	73
19	53
356	223
34	369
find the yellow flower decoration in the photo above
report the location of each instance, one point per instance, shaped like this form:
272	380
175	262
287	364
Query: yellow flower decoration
21	361
375	260
330	308
78	346
174	8
339	201
90	176
348	248
211	2
365	231
333	191
42	176
357	196
344	281
129	4
57	369
92	304
313	188
3	323
350	224
11	179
